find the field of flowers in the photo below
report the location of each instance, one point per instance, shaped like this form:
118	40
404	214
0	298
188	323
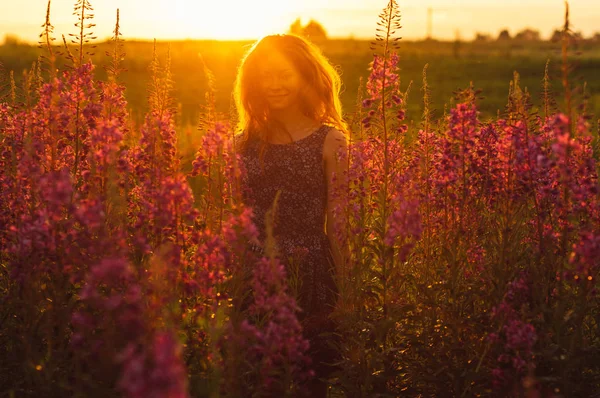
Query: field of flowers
473	246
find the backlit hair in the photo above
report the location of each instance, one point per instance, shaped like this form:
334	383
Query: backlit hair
319	100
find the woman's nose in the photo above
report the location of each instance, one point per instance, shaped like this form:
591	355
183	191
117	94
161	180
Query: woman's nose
274	83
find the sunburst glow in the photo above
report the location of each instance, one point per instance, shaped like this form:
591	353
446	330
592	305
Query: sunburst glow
231	19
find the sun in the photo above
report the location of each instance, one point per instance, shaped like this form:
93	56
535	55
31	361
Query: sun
230	19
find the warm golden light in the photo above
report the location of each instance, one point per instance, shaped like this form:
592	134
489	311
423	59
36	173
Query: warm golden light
251	19
231	19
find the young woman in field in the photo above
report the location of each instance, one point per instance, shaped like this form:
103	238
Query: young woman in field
287	96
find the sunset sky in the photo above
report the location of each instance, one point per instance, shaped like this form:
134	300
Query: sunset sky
243	19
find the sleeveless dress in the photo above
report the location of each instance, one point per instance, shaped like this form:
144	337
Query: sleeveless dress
296	170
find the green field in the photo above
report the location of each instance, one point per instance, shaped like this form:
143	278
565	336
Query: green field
452	66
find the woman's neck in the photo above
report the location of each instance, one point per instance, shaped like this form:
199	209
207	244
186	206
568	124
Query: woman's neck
294	121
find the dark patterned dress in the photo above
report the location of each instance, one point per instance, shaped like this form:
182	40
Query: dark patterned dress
297	171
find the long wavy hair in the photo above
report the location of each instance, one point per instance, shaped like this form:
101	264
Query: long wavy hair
319	99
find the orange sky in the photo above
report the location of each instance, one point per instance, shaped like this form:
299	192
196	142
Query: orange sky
236	19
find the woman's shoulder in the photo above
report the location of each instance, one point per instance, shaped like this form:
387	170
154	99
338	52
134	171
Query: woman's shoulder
238	139
334	134
334	139
242	142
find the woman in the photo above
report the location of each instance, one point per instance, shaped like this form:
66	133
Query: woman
287	97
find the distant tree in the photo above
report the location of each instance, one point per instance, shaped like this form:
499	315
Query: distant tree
577	35
12	40
315	31
556	36
296	27
482	37
596	37
312	30
504	35
528	35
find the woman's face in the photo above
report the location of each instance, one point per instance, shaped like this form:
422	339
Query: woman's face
280	82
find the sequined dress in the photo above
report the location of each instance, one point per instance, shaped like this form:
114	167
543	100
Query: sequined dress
297	171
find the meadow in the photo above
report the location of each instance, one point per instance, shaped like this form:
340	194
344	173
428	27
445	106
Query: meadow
471	221
451	66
